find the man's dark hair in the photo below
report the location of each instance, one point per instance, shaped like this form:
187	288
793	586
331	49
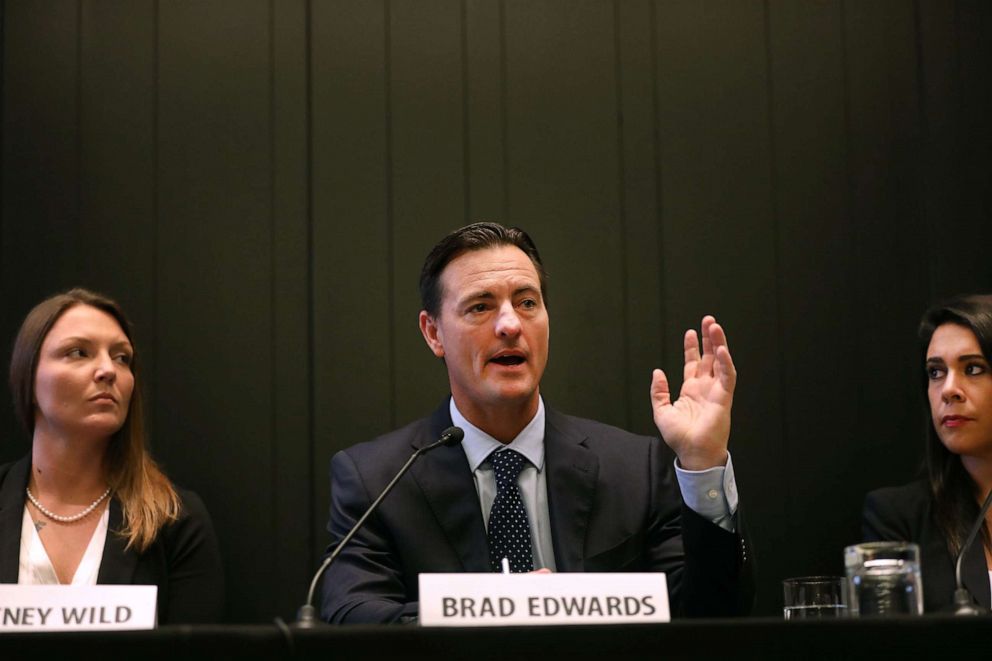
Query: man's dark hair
477	236
954	493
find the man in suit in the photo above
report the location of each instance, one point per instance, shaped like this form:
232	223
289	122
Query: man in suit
586	496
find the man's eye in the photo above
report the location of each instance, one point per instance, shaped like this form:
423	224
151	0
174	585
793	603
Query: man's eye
529	303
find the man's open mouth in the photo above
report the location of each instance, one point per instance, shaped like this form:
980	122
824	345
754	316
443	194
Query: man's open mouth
509	361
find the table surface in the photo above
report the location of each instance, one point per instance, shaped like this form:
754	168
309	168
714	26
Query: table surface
748	638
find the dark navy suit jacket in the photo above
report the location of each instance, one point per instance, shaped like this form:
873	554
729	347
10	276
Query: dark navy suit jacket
614	504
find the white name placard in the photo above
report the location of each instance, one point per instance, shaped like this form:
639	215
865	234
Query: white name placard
77	608
473	600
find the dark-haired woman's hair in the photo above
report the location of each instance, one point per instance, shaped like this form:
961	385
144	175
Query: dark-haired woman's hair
955	494
477	236
148	499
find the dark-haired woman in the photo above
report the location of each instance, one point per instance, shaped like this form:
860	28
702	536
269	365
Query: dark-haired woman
937	512
89	506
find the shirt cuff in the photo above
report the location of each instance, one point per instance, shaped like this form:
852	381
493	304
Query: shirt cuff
711	493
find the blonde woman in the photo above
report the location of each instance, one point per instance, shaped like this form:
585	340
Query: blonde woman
89	505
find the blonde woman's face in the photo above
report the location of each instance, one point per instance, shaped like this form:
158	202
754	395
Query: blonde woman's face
83	382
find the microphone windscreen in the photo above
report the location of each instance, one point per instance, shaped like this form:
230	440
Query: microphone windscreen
452	436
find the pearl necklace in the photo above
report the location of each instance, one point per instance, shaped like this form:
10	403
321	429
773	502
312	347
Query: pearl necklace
65	519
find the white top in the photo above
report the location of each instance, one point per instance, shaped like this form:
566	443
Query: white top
35	566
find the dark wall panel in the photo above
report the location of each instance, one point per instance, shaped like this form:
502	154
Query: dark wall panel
818	342
259	186
41	147
428	175
117	192
290	294
562	168
40	166
215	388
351	243
956	103
485	191
884	166
718	223
644	307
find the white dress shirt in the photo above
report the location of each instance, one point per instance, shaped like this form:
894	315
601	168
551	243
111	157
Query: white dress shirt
712	492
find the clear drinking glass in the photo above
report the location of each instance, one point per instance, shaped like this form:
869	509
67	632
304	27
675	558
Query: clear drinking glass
884	578
814	597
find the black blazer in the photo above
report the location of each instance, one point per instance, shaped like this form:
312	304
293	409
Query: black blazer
905	514
613	500
184	560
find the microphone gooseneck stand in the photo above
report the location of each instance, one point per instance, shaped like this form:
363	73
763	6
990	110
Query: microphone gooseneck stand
307	618
964	602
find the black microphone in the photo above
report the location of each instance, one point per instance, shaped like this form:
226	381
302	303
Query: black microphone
306	618
964	602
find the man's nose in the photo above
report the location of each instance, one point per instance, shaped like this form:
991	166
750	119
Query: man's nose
507	321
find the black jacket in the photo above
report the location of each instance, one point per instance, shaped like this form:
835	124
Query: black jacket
183	561
905	514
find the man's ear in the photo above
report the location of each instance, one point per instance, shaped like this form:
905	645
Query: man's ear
431	331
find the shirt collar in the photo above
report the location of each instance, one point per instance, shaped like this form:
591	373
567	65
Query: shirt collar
478	445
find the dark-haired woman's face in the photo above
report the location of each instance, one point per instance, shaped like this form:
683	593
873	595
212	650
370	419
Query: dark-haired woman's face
960	391
83	382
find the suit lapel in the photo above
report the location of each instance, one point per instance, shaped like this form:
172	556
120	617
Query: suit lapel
445	479
571	482
11	517
117	566
975	574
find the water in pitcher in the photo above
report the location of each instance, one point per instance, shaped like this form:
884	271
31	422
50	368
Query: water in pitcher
887	587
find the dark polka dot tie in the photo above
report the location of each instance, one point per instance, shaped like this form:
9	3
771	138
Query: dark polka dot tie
509	530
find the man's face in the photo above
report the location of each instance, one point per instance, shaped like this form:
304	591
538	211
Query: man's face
492	330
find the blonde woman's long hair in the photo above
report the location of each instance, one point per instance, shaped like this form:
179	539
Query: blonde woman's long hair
148	499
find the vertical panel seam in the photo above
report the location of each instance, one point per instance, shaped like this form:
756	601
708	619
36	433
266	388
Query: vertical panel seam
466	133
273	275
924	145
658	194
76	261
958	106
156	211
311	331
390	225
849	193
622	216
3	134
504	145
773	174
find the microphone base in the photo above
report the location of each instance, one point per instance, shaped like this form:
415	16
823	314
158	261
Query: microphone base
306	618
965	605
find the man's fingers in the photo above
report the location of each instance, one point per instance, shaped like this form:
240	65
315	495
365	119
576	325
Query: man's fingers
660	394
717	336
690	348
724	369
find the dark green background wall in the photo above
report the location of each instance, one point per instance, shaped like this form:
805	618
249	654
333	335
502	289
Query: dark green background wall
258	183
